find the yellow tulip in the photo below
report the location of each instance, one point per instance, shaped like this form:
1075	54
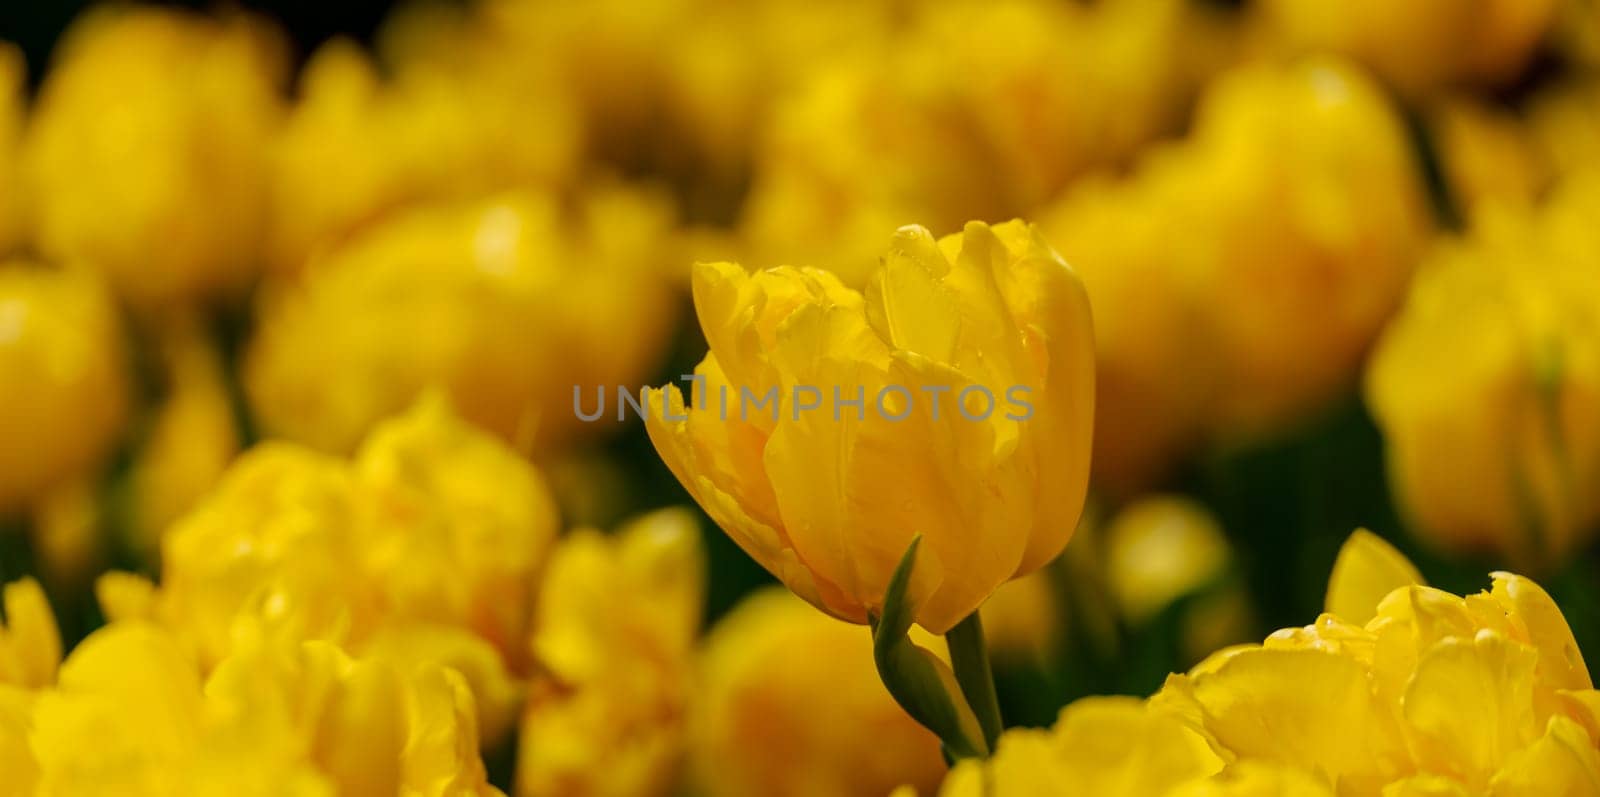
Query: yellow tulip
146	155
1565	119
1420	45
506	304
11	117
974	110
30	644
424	546
357	147
299	720
756	728
1431	694
1302	214
63	386
1487	385
828	496
613	646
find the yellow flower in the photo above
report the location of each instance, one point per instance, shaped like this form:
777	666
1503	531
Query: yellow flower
1578	30
1487	385
1423	692
426	546
1565	118
1112	746
146	156
190	439
789	705
30	644
1419	45
613	649
506	303
1301	213
1024	618
974	110
357	147
63	390
11	116
303	720
1433	693
828	496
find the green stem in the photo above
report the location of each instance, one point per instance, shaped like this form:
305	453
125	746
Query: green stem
969	657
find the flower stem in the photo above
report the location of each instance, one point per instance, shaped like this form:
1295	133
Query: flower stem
969	657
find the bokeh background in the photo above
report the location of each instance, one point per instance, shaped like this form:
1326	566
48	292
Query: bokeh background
1341	257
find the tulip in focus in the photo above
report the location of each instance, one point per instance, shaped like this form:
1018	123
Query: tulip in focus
613	650
829	499
1423	692
63	385
506	303
789	705
146	155
1487	385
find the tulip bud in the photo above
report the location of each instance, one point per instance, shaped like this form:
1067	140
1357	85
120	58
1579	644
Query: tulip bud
953	401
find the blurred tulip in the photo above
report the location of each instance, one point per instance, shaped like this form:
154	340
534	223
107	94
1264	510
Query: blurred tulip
12	86
1023	619
63	385
1420	45
1578	30
190	440
1301	213
357	147
30	643
828	502
978	110
756	728
425	546
506	303
1487	385
146	155
613	650
279	720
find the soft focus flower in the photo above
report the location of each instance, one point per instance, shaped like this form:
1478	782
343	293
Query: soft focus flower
1487	154
63	390
146	155
789	705
426	546
189	442
30	644
1487	385
1418	45
357	146
613	646
1424	693
1164	551
1565	118
11	115
1301	214
829	498
1024	619
286	719
506	303
1578	30
977	110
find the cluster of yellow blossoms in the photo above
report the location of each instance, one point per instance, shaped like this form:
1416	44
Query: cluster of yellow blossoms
1398	689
